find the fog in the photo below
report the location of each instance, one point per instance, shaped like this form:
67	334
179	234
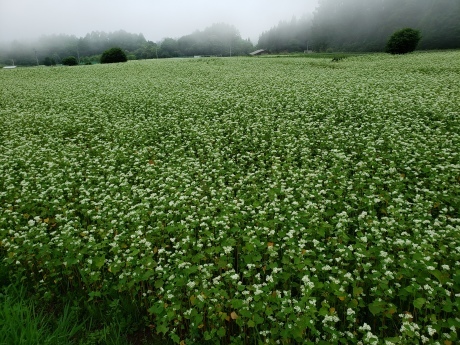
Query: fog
39	32
365	25
155	19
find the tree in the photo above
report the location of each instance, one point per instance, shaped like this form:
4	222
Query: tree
114	55
49	61
70	61
293	36
169	48
148	50
403	41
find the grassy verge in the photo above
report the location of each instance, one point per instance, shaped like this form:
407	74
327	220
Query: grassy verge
26	318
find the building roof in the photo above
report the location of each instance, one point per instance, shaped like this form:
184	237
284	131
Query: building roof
257	52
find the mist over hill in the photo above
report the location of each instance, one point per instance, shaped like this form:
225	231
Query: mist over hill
217	40
364	25
347	25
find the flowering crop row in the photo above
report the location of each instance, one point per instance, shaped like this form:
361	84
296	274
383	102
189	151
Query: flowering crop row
242	200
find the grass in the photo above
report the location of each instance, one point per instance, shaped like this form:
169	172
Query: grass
26	319
24	323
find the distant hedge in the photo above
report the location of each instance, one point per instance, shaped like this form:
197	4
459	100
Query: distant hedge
113	55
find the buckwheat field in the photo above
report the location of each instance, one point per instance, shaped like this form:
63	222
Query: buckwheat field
242	200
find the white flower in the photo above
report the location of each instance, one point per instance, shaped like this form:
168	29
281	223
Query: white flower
365	327
350	312
305	279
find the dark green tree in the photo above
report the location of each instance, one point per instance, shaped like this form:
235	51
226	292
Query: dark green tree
403	41
70	61
49	61
113	55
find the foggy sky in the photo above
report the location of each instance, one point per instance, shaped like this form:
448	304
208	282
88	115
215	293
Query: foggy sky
156	19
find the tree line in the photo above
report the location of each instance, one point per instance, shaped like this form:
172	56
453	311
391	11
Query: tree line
365	25
216	40
336	25
55	48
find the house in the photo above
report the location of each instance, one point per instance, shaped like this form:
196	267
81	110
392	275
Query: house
258	52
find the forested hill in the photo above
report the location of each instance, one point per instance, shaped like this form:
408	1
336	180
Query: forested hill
365	25
218	39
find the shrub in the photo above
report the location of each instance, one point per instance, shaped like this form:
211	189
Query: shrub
113	55
70	61
403	41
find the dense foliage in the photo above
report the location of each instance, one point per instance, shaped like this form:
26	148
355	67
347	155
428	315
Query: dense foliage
113	55
241	200
403	41
218	40
365	25
291	36
70	61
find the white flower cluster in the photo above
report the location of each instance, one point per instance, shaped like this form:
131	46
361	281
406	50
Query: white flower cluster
297	194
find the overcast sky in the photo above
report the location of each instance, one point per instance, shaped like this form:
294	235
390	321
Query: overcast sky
156	19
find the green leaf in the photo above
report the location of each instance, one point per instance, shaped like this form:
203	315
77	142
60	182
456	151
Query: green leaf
251	323
221	332
377	307
156	309
159	283
258	319
419	302
147	274
394	340
99	261
207	335
198	319
442	277
447	306
357	291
